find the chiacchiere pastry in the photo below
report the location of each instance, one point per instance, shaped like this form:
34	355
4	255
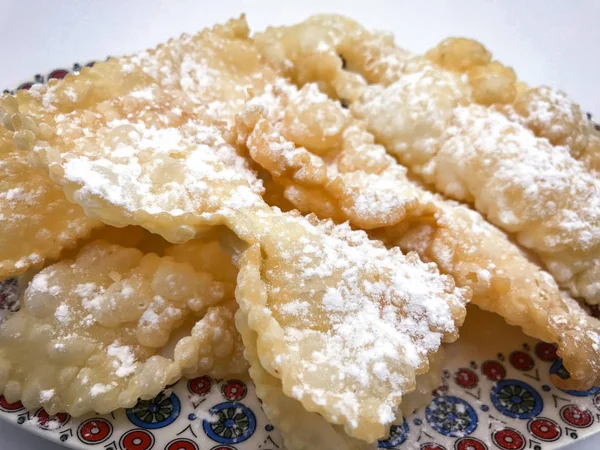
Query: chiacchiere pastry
431	113
153	140
36	220
461	123
89	330
203	149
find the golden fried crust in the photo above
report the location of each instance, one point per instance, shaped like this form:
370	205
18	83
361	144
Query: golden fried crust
142	105
299	428
491	81
503	281
324	160
37	221
312	287
425	115
89	330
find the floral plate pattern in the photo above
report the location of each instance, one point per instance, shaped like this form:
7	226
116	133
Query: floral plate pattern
494	394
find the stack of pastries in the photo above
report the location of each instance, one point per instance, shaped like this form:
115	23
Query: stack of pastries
312	204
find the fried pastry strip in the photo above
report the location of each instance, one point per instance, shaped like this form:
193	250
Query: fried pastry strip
214	347
526	186
521	183
37	221
171	107
300	429
89	331
422	110
154	155
295	149
341	56
304	430
219	67
345	324
325	161
504	281
150	158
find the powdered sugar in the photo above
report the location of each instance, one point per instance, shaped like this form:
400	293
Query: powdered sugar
124	362
86	290
150	317
368	317
42	283
98	389
523	184
548	108
379	197
520	182
155	169
409	115
197	75
46	395
63	314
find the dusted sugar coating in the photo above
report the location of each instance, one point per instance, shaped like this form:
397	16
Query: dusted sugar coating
89	331
194	86
342	57
344	323
522	183
424	111
479	250
410	116
301	429
150	158
551	114
504	281
325	161
527	187
36	220
219	67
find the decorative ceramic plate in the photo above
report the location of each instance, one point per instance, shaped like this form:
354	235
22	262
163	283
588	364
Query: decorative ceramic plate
496	392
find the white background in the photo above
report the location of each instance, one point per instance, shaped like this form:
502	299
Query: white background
555	42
